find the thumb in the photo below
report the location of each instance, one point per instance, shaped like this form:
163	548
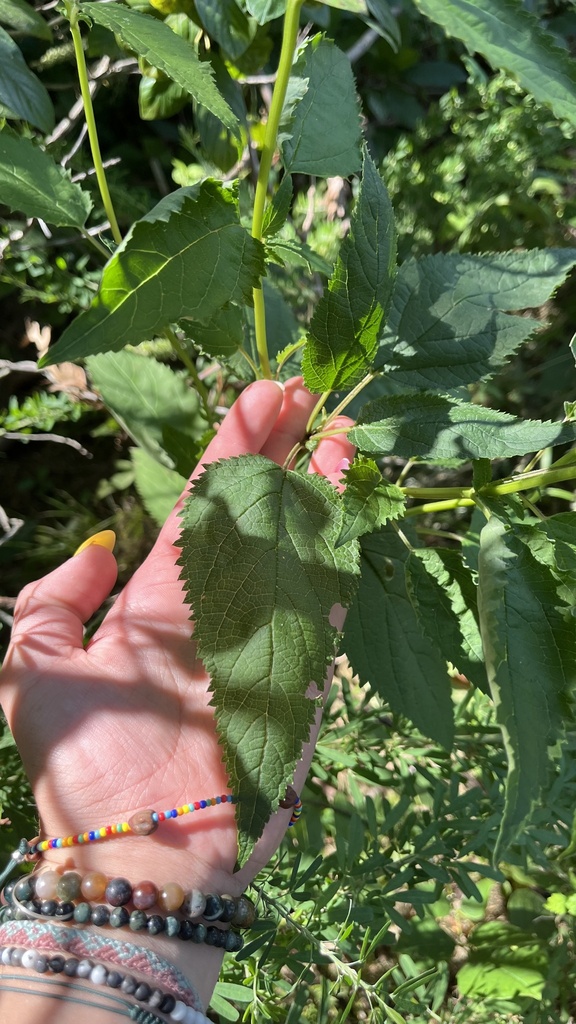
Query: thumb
50	613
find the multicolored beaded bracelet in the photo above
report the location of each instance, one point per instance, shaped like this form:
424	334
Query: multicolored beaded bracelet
143	823
96	973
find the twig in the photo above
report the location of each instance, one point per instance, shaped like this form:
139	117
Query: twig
13	435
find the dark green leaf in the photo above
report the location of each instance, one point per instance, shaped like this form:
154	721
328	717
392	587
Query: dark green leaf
261	574
385	23
165	50
511	38
320	126
188	257
22	17
386	646
530	652
444	597
276	213
31	182
21	92
446	327
227	24
222	334
369	500
265	10
146	396
346	324
431	427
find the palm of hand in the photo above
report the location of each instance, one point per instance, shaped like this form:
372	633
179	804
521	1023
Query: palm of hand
126	723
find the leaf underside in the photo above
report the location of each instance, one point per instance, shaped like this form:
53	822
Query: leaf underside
530	650
387	647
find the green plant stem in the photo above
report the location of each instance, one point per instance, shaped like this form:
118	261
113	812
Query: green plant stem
351	395
189	364
97	245
289	37
316	411
540	478
72	15
439	506
438	492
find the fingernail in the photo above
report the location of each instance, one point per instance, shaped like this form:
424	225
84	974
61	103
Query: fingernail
104	539
279	383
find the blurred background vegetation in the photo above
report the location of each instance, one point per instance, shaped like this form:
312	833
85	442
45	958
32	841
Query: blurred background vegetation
383	904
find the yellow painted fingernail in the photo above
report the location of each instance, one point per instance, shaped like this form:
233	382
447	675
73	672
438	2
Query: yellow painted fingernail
104	539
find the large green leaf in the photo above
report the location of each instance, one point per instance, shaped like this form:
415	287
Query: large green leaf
511	38
320	125
261	573
346	324
151	39
227	24
31	182
21	92
188	257
432	427
387	647
530	651
22	17
444	597
146	396
446	327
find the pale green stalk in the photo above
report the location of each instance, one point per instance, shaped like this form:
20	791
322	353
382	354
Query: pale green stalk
190	366
289	37
72	15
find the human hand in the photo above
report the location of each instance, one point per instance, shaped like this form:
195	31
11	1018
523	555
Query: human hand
125	723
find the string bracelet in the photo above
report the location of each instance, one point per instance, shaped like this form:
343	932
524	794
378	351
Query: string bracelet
95	973
142	823
85	944
97	1000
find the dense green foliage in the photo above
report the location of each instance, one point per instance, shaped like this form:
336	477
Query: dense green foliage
431	879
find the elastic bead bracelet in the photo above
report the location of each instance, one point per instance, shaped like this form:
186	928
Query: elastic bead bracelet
71	886
143	823
101	916
96	973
